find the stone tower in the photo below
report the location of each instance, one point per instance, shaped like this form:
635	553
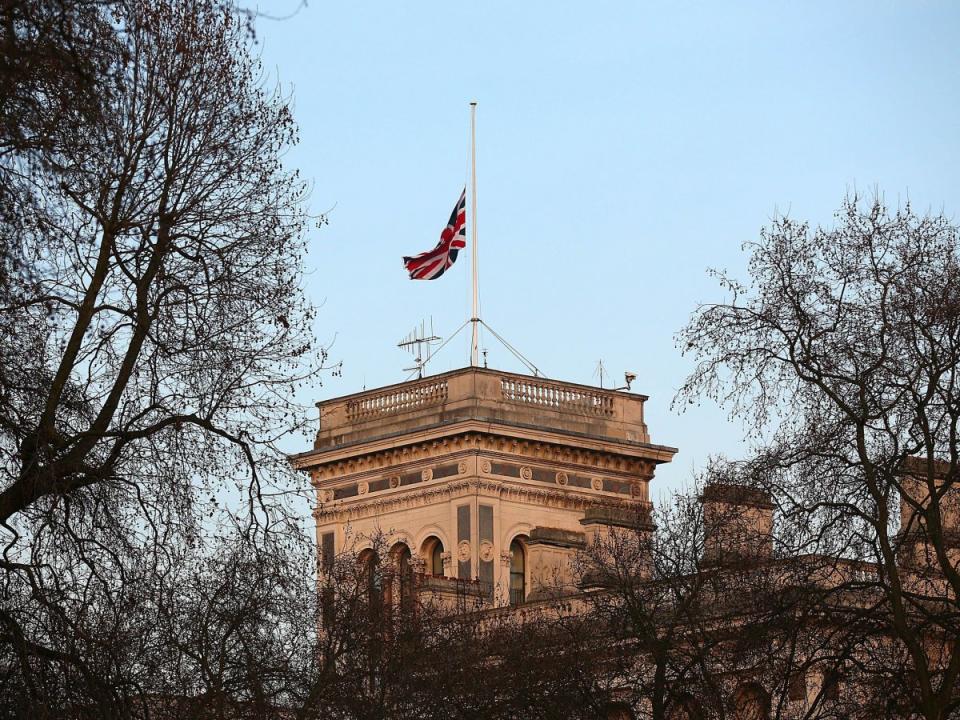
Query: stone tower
480	479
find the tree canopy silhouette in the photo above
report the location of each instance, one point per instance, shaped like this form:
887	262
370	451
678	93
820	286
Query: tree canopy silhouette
842	355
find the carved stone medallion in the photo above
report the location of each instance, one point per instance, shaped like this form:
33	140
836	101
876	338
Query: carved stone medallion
395	481
596	484
462	467
362	487
486	551
463	551
427	474
326	496
526	473
562	478
485	466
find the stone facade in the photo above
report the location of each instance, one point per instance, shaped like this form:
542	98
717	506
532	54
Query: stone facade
480	461
468	468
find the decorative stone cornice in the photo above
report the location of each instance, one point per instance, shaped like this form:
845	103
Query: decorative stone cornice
399	458
736	495
632	517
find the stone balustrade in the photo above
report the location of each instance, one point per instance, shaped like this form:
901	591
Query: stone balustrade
557	396
487	396
397	400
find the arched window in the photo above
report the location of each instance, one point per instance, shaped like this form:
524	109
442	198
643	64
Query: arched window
619	711
685	708
372	578
433	553
518	567
402	557
831	685
751	702
370	567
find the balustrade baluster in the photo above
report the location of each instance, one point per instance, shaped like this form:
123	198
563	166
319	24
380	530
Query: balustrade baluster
397	401
556	397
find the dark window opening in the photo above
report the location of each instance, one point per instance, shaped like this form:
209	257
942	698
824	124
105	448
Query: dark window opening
518	566
797	690
436	559
402	560
373	581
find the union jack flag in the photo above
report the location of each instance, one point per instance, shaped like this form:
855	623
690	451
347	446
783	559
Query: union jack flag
432	264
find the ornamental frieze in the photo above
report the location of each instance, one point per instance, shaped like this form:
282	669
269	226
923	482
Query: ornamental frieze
367	484
471	443
446	492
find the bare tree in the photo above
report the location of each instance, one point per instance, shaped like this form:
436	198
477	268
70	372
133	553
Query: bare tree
643	588
841	354
708	615
52	55
166	298
154	331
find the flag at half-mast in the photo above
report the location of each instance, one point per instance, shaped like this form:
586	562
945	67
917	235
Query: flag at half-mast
432	264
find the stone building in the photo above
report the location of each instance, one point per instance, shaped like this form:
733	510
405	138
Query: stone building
485	482
482	485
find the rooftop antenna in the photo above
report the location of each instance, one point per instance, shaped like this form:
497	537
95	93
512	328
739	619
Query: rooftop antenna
418	344
600	371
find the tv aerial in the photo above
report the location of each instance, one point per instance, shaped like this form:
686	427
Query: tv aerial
601	372
419	344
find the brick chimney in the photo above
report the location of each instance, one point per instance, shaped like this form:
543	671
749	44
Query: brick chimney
624	533
915	548
738	524
550	553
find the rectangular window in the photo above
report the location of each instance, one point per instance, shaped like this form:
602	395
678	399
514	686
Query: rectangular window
326	551
326	591
486	537
465	567
486	523
831	685
798	687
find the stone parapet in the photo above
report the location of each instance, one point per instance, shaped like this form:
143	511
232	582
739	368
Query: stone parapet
451	593
736	495
556	537
738	524
483	395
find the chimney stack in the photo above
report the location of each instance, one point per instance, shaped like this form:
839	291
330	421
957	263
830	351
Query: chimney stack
738	524
916	549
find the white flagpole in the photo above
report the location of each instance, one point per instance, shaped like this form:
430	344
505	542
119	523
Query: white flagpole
475	316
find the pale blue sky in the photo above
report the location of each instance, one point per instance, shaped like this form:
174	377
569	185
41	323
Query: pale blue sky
623	148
